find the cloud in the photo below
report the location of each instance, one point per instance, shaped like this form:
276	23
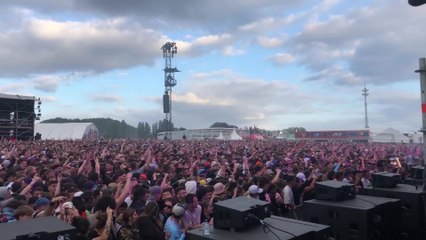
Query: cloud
379	44
12	88
208	15
47	46
336	75
267	23
131	116
105	98
273	42
281	59
48	99
237	99
395	108
47	83
206	43
232	51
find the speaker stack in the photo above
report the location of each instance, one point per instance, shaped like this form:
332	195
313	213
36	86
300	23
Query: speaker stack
239	213
416	176
353	217
250	219
413	207
44	228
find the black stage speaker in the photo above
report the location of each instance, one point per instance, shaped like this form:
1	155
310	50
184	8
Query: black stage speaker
414	182
235	213
417	172
334	191
385	180
413	207
361	218
166	103
279	228
43	228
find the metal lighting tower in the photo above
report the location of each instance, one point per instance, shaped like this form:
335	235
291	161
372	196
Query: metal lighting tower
365	94
169	50
422	71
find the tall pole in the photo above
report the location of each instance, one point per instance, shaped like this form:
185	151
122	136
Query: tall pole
169	50
365	94
422	71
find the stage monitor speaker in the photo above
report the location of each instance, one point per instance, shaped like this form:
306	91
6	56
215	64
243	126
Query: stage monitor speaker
417	172
43	228
280	228
239	213
361	218
385	180
334	191
413	202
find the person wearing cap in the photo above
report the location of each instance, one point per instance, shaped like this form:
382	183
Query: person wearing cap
39	206
303	186
5	164
174	227
154	194
219	191
191	187
253	191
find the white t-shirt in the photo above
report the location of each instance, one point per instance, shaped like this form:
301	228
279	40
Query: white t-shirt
288	195
128	200
366	183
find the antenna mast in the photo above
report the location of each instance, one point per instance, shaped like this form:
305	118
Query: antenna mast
365	94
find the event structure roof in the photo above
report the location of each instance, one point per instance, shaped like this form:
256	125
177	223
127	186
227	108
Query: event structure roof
61	131
390	135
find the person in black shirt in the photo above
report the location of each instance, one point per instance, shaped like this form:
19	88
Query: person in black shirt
82	226
207	212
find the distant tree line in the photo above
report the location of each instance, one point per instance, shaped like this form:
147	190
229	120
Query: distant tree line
110	128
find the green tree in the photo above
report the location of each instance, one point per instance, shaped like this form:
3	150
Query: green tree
154	130
144	130
147	130
222	125
140	130
293	130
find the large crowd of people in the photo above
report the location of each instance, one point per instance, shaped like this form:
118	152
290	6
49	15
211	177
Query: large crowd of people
156	189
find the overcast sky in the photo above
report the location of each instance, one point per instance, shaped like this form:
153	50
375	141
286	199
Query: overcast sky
271	63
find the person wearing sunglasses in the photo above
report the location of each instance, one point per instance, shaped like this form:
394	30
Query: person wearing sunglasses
167	210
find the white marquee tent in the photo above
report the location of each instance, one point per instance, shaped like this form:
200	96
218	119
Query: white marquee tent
220	137
72	131
235	136
390	135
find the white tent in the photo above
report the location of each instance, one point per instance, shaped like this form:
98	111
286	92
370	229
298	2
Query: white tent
235	136
61	131
220	137
390	135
